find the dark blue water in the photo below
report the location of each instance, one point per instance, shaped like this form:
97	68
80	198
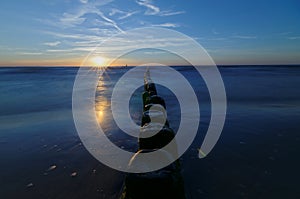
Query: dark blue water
257	155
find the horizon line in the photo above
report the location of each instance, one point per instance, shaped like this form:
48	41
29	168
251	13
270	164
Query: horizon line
65	66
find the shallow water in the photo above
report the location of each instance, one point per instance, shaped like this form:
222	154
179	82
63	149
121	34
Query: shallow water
255	157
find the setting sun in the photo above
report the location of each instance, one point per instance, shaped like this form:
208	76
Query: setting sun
99	61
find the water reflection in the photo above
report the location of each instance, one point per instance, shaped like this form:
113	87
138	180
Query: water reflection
99	115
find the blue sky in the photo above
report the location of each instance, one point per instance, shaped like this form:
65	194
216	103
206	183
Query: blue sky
63	32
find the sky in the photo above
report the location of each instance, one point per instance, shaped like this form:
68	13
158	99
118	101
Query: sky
65	32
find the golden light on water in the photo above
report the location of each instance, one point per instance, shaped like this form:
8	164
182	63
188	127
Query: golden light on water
102	106
100	115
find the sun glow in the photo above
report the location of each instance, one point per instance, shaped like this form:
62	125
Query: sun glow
99	61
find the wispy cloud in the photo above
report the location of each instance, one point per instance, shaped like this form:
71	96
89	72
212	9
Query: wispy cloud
170	13
71	20
217	39
59	50
86	26
294	38
155	10
284	33
128	14
244	37
167	25
122	14
80	15
77	37
79	49
29	53
52	44
112	22
115	11
84	1
151	9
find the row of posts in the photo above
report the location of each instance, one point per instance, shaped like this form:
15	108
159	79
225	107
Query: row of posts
155	133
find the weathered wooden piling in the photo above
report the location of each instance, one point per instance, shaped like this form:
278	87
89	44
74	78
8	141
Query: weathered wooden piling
167	182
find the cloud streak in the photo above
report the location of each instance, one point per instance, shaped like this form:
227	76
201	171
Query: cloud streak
244	37
52	44
83	1
155	10
29	53
122	14
84	27
294	38
151	9
167	25
128	14
77	17
171	13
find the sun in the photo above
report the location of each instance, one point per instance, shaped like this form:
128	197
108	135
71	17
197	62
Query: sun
98	61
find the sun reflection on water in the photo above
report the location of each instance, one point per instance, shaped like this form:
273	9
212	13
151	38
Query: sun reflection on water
100	116
102	104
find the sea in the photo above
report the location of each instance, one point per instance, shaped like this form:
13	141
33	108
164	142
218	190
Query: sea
256	156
